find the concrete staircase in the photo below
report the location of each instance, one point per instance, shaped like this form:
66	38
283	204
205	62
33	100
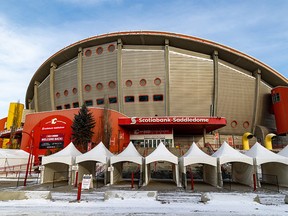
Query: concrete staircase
85	196
178	197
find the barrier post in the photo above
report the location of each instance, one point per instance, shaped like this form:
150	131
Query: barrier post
192	181
76	179
79	192
132	180
254	181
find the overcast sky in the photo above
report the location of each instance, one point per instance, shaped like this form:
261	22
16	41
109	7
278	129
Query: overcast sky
33	30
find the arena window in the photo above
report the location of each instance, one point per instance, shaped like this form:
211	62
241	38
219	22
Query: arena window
74	90
99	50
128	83
75	105
66	92
157	81
87	88
67	106
158	97
111	48
57	95
275	98
99	86
112	84
100	101
129	99
142	82
143	98
246	124
234	124
88	53
112	100
89	103
58	107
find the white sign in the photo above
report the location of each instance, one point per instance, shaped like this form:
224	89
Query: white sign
110	169
87	182
75	167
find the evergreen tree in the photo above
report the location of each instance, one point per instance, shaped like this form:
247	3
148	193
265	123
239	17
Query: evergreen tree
82	128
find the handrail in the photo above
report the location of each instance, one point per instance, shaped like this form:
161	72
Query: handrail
12	167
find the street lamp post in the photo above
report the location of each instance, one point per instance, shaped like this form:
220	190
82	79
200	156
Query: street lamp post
30	155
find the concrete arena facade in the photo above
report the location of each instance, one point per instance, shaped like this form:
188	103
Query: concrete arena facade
148	74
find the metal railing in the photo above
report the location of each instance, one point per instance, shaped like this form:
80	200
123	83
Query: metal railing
33	178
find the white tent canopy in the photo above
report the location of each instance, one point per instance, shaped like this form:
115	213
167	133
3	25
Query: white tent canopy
66	156
161	153
227	154
284	152
271	164
98	153
263	155
129	154
87	162
13	157
60	162
242	165
196	156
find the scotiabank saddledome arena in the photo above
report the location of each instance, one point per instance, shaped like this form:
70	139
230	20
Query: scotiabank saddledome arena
159	86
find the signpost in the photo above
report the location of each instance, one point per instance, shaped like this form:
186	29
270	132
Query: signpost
87	182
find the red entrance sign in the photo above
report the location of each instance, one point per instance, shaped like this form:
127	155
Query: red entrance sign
177	124
167	120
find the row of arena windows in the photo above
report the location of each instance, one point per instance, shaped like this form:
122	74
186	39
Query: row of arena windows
234	124
113	100
111	85
99	50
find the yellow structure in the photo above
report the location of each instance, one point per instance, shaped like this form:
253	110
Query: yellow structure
5	142
14	118
14	115
245	140
268	140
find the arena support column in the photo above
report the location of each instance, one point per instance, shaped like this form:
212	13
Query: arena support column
119	75
215	85
53	66
167	85
80	75
36	102
257	75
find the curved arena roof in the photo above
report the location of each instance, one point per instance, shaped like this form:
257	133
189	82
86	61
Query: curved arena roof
195	44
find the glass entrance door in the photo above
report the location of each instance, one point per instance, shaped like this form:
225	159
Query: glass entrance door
153	143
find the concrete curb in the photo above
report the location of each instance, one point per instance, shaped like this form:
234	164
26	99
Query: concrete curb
24	195
130	195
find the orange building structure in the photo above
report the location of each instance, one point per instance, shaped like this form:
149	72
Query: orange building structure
280	107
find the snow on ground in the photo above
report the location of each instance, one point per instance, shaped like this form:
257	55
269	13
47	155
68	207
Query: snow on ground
219	204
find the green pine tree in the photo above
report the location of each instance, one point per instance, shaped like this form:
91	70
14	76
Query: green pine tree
82	128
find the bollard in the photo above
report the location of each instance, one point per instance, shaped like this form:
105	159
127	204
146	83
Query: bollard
254	181
79	192
192	181
76	179
132	180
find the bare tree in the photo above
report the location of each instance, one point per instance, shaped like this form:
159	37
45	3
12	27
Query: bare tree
107	129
